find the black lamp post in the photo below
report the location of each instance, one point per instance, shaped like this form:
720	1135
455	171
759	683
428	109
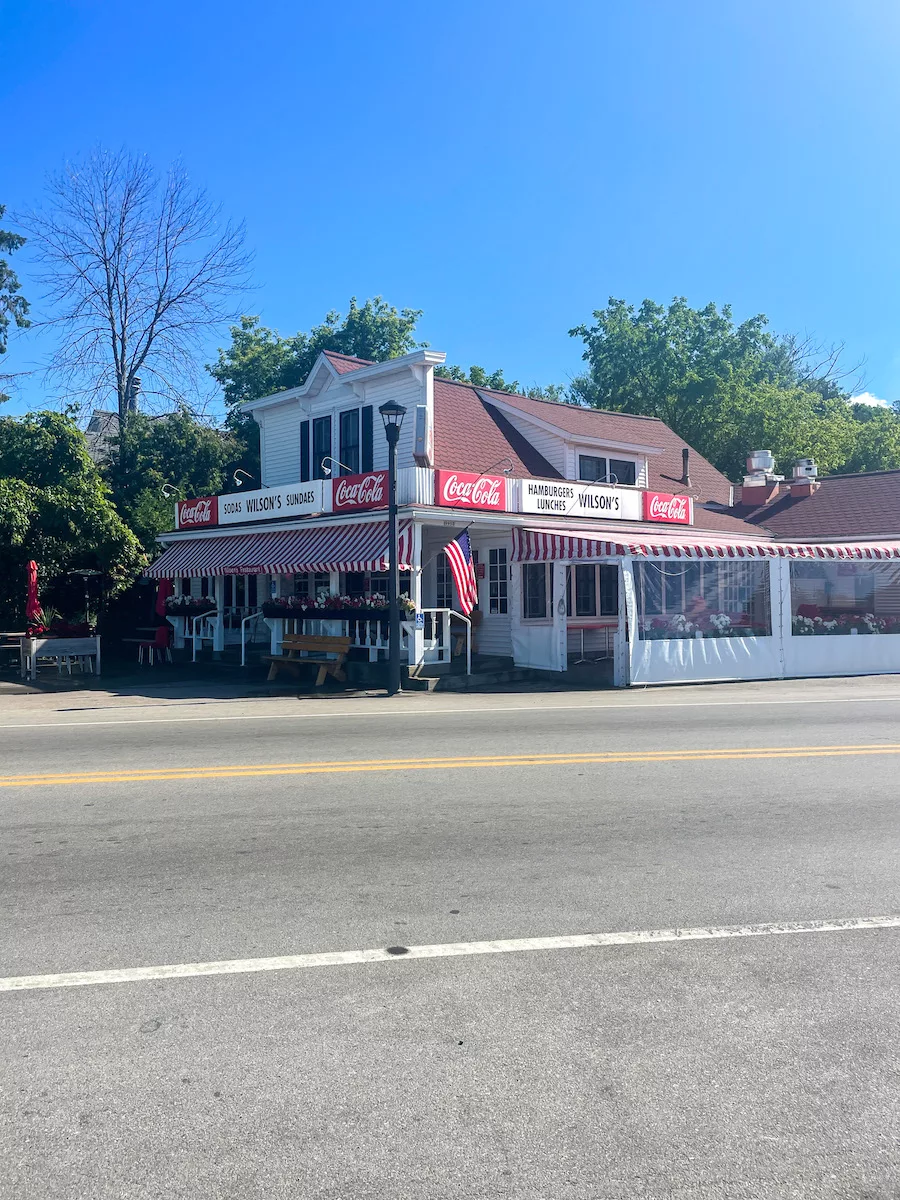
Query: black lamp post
392	415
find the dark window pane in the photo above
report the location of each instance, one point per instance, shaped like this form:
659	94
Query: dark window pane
591	469
585	591
624	471
534	591
673	594
367	445
348	453
356	583
609	591
321	445
304	451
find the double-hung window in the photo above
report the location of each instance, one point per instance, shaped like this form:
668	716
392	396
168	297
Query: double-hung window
592	469
498	581
537	589
444	581
348	452
321	436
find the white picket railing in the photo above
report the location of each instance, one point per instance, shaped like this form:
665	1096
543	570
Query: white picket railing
251	620
205	627
371	634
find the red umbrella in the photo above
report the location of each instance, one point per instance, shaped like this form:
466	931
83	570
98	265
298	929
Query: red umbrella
32	604
163	592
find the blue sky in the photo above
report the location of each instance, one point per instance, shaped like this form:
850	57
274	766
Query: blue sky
505	167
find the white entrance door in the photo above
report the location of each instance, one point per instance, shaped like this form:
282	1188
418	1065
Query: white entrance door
493	635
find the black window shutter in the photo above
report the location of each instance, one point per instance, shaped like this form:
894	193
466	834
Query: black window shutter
366	457
304	451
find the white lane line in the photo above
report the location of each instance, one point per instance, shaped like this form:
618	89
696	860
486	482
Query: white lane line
344	958
537	709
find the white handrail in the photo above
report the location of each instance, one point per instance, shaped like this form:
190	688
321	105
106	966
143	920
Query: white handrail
253	616
468	623
199	617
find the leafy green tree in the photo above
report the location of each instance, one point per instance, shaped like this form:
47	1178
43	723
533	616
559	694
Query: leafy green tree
55	508
726	388
478	377
13	307
260	361
156	460
877	441
495	382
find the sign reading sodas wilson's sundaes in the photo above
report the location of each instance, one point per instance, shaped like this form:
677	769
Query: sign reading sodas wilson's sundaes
293	500
356	492
463	489
241	508
660	506
568	498
194	514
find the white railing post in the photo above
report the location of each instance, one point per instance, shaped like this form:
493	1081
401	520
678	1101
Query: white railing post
251	616
468	625
198	636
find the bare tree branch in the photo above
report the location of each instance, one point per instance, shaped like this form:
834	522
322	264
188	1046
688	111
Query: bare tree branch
137	268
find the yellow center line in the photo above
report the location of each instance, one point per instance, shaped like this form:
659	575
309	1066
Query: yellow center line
469	762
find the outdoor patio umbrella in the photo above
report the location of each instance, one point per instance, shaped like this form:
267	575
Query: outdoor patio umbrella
32	603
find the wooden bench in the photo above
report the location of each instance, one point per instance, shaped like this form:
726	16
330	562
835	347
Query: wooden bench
300	650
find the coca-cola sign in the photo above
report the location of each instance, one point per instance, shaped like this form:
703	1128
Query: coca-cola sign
460	489
660	506
192	514
360	491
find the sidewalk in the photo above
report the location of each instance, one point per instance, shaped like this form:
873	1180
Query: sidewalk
148	695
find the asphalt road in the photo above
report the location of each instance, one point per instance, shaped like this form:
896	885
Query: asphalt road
751	1066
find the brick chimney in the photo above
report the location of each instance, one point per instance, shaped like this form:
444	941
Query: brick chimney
761	484
804	481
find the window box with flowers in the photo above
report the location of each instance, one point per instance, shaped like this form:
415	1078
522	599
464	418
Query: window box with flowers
331	607
707	625
189	606
846	623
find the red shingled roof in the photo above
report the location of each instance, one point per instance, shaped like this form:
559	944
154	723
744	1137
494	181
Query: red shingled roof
707	483
345	363
472	434
843	506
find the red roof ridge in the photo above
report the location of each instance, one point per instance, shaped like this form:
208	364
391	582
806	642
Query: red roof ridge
363	362
586	408
855	475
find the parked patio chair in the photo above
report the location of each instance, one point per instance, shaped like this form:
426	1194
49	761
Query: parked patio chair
160	647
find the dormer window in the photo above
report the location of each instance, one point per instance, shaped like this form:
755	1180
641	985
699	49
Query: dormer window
592	469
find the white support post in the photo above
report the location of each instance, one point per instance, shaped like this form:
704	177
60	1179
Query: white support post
628	631
780	602
219	628
416	641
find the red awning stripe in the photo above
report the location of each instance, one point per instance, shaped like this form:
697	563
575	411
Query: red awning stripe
361	547
548	545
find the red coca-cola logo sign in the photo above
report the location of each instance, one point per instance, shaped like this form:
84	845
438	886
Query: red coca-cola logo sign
459	489
193	513
360	491
659	506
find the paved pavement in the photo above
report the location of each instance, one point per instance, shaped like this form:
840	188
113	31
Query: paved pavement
248	829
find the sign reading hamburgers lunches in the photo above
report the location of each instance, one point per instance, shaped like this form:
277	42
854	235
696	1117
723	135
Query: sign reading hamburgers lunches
567	498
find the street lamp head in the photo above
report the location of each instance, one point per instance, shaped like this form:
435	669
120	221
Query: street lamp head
392	414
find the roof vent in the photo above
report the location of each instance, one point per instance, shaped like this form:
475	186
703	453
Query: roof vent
805	468
760	462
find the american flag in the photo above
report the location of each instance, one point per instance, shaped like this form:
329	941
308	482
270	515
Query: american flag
459	556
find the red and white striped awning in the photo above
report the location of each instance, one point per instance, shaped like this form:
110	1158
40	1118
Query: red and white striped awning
361	547
549	545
